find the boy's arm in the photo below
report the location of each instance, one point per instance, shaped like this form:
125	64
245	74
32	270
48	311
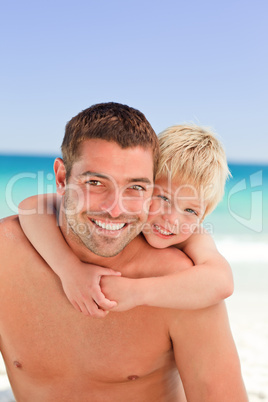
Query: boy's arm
204	284
214	279
80	281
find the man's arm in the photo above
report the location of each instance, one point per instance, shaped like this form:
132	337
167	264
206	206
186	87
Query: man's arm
206	355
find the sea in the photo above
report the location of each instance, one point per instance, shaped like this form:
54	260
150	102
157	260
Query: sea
239	226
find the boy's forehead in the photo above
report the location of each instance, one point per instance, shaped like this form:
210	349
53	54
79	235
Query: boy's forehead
176	185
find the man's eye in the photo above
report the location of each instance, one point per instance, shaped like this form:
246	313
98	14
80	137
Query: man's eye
164	198
93	182
137	187
190	211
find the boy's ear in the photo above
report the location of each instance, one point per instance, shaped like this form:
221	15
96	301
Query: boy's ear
60	175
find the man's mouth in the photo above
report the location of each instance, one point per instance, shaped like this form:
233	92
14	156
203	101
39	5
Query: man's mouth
162	231
108	226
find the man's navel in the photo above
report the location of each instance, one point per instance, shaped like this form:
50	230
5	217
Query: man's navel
17	364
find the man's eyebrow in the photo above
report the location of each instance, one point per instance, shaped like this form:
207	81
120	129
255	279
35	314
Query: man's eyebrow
140	179
103	176
95	174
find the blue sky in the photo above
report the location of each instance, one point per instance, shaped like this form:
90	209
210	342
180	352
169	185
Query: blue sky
177	61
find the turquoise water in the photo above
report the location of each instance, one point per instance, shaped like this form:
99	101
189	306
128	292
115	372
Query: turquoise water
244	208
23	176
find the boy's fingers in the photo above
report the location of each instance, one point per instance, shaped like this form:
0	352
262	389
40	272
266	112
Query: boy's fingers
84	309
76	306
107	304
90	309
97	312
108	271
98	296
100	313
103	302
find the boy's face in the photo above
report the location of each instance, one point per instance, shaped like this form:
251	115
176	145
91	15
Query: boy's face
176	211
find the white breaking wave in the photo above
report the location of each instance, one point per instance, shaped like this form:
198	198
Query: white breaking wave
247	251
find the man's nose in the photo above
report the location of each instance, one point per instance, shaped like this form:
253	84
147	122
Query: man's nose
113	205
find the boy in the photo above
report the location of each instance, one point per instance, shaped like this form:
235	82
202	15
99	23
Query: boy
189	183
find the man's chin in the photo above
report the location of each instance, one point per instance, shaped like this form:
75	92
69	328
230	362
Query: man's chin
102	242
104	251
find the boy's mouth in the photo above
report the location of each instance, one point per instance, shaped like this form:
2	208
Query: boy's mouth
162	231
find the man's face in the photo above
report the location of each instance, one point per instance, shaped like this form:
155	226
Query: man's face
108	195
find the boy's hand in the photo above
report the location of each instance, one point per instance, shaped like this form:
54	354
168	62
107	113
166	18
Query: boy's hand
82	288
124	290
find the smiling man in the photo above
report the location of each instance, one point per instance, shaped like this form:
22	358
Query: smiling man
53	353
113	194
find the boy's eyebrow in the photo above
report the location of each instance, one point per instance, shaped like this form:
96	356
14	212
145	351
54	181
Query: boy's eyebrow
103	176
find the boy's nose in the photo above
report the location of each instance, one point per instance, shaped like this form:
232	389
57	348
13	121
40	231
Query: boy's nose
172	220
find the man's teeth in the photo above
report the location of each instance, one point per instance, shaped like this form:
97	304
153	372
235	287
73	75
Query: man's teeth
162	231
109	226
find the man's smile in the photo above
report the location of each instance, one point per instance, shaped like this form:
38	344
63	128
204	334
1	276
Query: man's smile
111	226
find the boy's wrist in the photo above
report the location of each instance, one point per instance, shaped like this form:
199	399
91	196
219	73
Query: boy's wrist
141	292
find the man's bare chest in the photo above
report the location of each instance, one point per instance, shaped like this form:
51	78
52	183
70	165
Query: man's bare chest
42	334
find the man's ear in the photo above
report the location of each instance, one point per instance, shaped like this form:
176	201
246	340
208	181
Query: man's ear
60	175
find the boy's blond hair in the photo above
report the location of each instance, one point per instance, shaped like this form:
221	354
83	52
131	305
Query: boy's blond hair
194	156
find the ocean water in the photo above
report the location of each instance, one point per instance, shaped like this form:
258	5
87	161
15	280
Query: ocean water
239	226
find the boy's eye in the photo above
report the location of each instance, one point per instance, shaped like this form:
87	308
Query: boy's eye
164	198
190	211
137	187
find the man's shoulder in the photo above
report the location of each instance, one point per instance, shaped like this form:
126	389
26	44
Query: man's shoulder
162	261
11	236
10	227
171	253
174	259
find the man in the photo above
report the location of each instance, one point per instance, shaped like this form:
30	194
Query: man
52	353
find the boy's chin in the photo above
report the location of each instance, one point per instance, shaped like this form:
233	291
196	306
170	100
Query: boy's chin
156	242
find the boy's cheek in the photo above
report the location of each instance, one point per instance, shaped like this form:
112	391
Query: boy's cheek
153	214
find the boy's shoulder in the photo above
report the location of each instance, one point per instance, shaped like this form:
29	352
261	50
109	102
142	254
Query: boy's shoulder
198	236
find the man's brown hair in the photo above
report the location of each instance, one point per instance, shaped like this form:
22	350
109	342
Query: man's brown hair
111	121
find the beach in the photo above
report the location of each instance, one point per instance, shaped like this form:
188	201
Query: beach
250	331
240	228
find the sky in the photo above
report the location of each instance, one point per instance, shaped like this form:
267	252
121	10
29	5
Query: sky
204	62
